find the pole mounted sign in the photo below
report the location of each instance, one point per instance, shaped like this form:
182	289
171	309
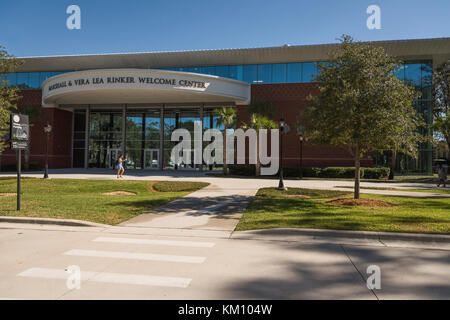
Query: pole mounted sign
20	135
19	131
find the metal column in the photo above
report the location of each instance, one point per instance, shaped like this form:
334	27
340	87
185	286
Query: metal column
161	138
86	138
124	130
201	126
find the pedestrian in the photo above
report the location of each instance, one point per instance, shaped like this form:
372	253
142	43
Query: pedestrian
442	174
119	166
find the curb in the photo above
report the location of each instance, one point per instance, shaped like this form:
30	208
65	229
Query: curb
59	222
285	234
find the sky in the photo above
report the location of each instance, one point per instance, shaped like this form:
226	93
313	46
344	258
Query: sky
38	28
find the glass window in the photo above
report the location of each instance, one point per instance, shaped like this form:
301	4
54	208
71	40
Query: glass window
250	73
222	71
308	71
294	72
236	72
22	80
279	73
264	73
34	80
208	70
12	79
427	76
413	74
400	72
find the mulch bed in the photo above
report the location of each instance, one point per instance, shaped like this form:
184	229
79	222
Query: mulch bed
119	193
362	202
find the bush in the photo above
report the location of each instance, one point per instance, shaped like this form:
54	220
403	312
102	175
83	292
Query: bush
178	186
34	166
376	173
242	169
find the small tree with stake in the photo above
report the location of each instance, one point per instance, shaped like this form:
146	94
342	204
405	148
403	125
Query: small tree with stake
361	103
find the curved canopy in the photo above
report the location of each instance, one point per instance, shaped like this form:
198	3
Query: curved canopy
107	86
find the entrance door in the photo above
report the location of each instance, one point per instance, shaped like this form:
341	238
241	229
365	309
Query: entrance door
151	159
113	155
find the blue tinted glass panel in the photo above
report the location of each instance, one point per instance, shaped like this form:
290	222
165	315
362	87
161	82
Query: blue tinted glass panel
413	74
294	72
33	80
232	72
427	75
400	72
279	73
12	79
264	73
250	73
195	69
22	80
308	71
208	70
222	71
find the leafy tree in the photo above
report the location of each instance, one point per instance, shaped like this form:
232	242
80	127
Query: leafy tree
441	105
227	118
361	103
8	95
260	114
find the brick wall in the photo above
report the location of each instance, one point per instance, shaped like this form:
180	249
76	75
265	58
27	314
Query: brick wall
289	100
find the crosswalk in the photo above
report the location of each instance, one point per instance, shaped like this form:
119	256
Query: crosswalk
111	249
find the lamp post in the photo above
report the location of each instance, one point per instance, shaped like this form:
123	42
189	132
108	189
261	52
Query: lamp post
301	138
47	130
282	130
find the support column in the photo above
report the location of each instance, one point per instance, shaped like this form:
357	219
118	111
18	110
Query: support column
201	126
124	130
161	138
86	138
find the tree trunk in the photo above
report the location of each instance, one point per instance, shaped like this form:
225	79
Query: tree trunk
357	173
392	164
225	167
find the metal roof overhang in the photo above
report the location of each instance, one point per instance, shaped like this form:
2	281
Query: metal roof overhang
437	49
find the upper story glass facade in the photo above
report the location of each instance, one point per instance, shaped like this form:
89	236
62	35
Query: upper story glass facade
417	73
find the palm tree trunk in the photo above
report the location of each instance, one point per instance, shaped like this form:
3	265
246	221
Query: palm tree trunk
392	164
225	167
357	173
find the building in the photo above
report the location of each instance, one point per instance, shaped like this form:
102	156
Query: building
106	104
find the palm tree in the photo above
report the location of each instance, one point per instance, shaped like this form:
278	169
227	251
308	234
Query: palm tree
258	122
227	118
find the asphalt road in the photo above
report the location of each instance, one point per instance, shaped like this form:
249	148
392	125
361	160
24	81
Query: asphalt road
147	263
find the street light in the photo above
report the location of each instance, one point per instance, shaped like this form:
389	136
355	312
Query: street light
283	125
47	130
301	138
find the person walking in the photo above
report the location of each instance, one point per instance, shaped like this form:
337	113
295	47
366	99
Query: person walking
442	174
119	166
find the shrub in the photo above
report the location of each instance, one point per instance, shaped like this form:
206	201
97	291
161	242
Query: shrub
34	166
376	173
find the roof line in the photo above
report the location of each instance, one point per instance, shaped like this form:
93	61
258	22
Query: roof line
225	49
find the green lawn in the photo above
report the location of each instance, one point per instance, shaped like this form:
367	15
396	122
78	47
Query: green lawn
272	208
84	199
431	190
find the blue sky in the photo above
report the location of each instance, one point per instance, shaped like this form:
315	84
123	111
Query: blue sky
38	28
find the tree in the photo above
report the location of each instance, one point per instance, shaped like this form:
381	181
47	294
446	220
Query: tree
260	113
441	103
8	95
361	103
227	118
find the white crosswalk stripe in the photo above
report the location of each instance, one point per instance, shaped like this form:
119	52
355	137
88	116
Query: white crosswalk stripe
175	243
107	277
136	256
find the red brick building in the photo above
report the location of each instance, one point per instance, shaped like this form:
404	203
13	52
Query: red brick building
103	105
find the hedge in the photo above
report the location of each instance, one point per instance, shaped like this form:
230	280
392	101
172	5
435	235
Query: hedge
328	172
33	166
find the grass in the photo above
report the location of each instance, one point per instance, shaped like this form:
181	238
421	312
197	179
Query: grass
272	208
84	199
431	190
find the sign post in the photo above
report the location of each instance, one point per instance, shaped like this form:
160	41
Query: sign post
20	134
